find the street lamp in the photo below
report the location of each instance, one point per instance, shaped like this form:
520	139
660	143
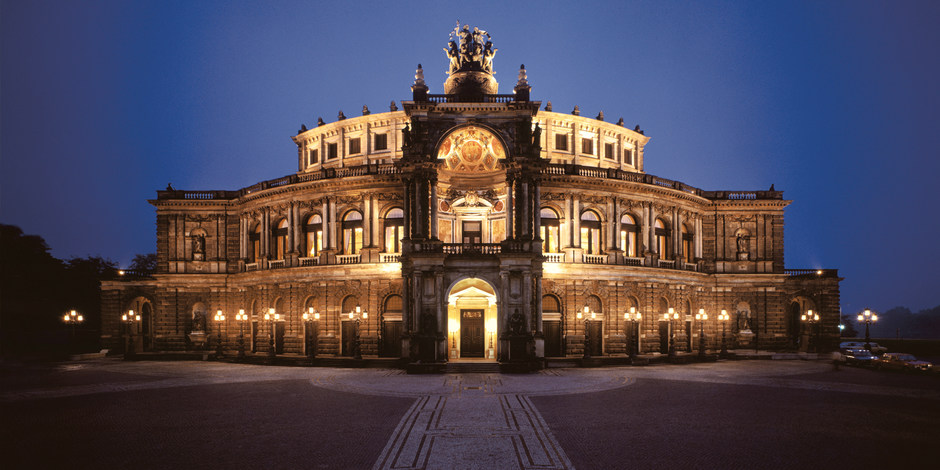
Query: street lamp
312	321
129	318
812	319
669	317
357	315
723	318
72	319
241	317
634	318
868	318
219	318
700	317
453	326
271	317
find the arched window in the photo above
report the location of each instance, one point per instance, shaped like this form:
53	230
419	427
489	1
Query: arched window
662	239
254	245
394	230
663	306
352	232
629	231
550	304
279	234
593	303
551	241
349	305
313	235
590	233
393	304
687	254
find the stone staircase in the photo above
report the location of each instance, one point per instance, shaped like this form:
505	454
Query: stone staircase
471	368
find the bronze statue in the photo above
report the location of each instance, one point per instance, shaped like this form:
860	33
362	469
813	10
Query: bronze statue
517	323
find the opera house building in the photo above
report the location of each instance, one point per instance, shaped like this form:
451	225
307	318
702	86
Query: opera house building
470	225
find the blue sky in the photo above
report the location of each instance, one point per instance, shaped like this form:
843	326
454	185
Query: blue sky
834	102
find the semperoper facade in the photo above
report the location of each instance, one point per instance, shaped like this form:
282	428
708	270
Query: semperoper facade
471	224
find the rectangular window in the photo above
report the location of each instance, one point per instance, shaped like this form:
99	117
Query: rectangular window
561	142
628	156
332	151
355	146
587	146
381	141
314	156
609	152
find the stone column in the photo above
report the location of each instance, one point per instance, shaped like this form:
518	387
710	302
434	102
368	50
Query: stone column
408	213
325	223
242	237
366	221
677	236
612	221
537	210
332	206
433	209
576	222
698	238
510	208
266	233
526	204
566	223
375	221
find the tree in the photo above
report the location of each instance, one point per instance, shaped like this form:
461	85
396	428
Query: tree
849	322
144	263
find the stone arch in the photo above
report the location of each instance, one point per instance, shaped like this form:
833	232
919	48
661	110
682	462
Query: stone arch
797	306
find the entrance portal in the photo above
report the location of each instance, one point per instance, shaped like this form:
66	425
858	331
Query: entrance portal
471	333
471	316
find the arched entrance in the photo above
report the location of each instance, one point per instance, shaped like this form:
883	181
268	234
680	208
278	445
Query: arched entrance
471	320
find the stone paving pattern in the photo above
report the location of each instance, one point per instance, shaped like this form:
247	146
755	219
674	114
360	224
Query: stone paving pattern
746	414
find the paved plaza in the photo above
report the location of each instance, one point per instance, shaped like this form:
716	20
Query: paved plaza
106	413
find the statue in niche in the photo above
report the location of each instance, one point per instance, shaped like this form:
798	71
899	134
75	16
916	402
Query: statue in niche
743	320
516	323
742	247
199	247
536	135
199	321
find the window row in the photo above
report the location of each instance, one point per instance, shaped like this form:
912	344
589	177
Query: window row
587	148
312	241
629	236
353	147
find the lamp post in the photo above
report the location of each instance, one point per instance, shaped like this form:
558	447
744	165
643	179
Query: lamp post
867	317
669	317
491	331
723	319
241	317
812	319
634	318
72	319
312	322
129	318
453	326
357	315
271	317
700	317
219	318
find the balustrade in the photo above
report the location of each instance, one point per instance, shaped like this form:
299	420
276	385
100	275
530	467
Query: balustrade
349	259
309	261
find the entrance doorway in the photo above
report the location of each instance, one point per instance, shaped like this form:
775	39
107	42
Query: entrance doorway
594	331
471	333
349	338
664	337
471	320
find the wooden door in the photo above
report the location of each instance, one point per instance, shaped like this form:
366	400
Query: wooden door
254	336
664	337
279	337
349	338
471	333
552	331
391	339
594	333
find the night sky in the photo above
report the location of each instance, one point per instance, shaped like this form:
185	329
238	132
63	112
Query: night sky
836	103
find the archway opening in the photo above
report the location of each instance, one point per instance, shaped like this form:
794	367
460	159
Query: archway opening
472	321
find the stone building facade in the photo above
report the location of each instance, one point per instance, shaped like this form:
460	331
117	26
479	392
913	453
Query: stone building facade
471	224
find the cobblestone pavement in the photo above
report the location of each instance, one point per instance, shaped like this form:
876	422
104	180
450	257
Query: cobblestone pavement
747	414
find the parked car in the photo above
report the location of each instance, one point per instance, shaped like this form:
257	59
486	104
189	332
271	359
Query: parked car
901	361
876	349
858	357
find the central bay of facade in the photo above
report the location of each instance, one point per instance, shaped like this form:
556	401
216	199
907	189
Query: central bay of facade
470	224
